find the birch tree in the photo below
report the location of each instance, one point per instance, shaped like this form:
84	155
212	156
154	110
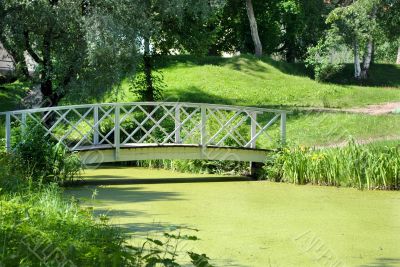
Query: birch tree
253	28
398	55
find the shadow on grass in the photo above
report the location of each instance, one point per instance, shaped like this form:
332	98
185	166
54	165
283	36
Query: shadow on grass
239	63
383	75
194	94
386	75
383	262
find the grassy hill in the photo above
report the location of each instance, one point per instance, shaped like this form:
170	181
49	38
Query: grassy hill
249	81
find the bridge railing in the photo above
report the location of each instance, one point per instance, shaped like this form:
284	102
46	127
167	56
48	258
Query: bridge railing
121	124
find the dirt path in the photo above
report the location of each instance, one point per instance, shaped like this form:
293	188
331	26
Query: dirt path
379	109
360	141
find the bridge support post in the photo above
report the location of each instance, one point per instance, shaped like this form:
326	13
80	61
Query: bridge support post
96	125
255	168
283	128
8	132
253	132
203	127
117	132
178	124
23	123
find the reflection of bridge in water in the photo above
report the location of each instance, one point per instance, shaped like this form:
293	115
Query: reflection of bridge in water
112	132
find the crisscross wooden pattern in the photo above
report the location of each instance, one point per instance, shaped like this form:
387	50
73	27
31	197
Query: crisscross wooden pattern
160	123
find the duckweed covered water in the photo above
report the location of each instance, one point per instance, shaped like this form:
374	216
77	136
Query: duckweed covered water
253	223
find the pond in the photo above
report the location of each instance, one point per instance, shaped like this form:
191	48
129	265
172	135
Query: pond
251	223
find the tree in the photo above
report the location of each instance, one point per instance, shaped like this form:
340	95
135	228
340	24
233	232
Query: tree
73	42
302	26
398	55
389	20
354	25
253	28
357	23
168	27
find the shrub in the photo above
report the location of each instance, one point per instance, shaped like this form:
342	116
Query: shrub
11	173
41	228
327	57
369	167
42	158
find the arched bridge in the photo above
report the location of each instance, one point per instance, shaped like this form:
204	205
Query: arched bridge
110	132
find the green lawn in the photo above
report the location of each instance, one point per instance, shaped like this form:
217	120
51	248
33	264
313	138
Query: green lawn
327	128
243	223
249	81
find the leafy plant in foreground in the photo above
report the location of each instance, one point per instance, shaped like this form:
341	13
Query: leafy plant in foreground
42	158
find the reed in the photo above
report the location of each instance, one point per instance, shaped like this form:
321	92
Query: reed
361	166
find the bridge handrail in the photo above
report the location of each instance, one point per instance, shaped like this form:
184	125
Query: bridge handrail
228	128
186	104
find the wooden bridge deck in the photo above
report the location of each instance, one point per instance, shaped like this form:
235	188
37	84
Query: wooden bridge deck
107	153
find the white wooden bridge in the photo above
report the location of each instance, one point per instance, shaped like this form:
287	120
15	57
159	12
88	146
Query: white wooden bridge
110	132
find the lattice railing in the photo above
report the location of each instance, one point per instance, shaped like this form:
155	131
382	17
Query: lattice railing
120	124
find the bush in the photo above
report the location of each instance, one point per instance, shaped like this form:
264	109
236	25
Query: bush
370	167
327	57
11	173
41	228
42	158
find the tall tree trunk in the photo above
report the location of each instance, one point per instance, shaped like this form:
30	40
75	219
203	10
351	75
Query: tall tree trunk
367	60
253	28
46	84
149	95
357	67
290	51
398	56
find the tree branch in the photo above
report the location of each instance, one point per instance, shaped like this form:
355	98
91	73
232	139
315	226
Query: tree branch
29	48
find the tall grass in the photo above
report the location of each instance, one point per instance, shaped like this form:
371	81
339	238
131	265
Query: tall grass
41	228
364	167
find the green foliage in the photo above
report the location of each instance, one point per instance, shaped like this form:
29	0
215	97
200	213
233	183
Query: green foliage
353	27
43	159
179	25
286	27
139	85
358	166
42	228
164	251
11	173
76	44
324	58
